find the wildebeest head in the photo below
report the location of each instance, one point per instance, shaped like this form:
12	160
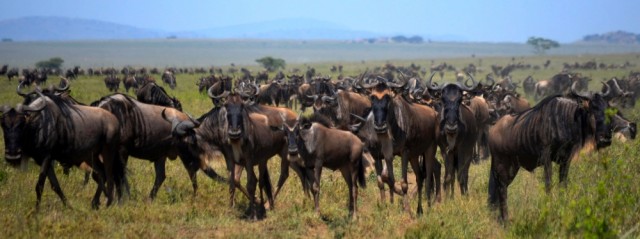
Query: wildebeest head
381	100
292	133
596	105
235	113
13	122
451	97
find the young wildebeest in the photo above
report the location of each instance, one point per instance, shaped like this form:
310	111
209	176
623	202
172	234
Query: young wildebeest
146	135
552	131
321	146
52	128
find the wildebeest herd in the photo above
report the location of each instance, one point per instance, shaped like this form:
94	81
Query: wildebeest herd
357	122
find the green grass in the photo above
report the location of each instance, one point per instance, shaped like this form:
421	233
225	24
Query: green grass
602	198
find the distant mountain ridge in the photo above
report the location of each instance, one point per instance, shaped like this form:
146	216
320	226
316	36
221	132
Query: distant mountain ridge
64	29
617	37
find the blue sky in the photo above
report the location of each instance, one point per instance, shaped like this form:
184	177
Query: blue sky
487	20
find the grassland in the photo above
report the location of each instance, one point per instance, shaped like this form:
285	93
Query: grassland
602	198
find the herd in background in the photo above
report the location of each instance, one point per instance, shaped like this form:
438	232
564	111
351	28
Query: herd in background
358	122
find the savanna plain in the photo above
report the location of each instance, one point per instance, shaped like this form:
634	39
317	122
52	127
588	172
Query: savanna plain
602	199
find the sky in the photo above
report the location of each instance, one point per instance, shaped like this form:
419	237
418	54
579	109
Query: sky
482	20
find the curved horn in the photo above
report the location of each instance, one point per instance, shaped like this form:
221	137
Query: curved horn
64	84
429	85
212	96
257	88
5	109
19	90
608	89
490	78
615	83
329	98
475	84
312	97
575	92
358	117
39	107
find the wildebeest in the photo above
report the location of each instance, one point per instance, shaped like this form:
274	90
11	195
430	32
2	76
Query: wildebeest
13	72
320	146
151	93
458	132
552	131
169	78
529	85
53	129
112	82
145	134
402	128
558	84
252	139
130	82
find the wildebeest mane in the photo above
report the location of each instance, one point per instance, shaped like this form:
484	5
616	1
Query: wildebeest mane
51	129
157	96
128	114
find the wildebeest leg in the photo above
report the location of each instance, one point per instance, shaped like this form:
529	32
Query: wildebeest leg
502	192
546	160
251	189
158	164
284	173
564	173
85	181
378	166
387	173
415	165
449	172
95	202
316	185
46	164
350	177
463	172
55	185
192	171
232	186
265	184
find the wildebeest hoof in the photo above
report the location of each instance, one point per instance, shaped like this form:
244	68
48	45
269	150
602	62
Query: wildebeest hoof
258	213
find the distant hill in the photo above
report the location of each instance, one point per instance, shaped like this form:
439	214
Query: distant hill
617	37
63	28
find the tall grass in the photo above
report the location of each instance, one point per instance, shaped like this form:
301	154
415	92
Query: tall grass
601	200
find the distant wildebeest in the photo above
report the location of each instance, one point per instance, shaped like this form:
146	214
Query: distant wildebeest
529	85
53	129
458	132
145	134
169	78
318	145
130	82
151	93
552	131
13	72
112	82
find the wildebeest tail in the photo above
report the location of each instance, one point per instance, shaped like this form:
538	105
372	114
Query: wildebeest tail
362	181
120	176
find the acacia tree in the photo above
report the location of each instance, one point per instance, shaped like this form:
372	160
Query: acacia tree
271	64
540	44
54	63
